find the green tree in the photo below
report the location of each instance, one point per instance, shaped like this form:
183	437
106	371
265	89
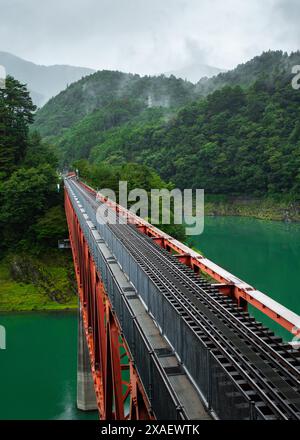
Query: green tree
16	113
25	196
51	227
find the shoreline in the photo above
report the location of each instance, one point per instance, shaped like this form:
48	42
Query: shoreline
255	217
273	209
46	311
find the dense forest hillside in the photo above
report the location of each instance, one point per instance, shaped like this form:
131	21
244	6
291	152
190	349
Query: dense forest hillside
243	138
76	142
234	142
28	178
101	89
269	66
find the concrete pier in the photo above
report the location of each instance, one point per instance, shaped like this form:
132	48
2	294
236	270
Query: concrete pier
86	398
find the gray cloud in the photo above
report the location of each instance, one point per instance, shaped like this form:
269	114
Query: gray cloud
286	16
144	36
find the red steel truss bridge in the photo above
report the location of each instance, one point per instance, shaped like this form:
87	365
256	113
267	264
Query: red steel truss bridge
157	340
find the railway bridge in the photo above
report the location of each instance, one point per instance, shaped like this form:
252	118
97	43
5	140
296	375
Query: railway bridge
157	340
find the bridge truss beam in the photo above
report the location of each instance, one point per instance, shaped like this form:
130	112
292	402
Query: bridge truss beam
119	392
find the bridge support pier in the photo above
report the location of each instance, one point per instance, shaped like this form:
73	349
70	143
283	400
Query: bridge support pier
86	398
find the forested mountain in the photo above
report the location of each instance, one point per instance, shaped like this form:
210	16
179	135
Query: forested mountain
104	88
269	67
244	138
234	142
43	81
96	91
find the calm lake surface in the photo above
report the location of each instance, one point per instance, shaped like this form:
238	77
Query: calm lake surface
263	253
38	368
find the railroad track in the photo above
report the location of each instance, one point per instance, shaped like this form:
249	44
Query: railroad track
264	368
263	375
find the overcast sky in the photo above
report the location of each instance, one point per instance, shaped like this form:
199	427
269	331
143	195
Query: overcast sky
147	36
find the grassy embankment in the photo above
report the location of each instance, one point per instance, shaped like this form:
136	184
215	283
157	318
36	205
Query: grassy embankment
55	292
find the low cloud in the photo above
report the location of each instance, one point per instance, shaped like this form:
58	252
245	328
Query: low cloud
147	37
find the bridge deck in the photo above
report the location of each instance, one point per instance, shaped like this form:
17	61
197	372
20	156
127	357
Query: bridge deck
179	390
224	351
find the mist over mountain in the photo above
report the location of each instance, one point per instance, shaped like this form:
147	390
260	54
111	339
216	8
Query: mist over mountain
43	82
194	72
269	66
105	90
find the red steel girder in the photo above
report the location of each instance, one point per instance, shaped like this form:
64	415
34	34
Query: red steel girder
117	398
